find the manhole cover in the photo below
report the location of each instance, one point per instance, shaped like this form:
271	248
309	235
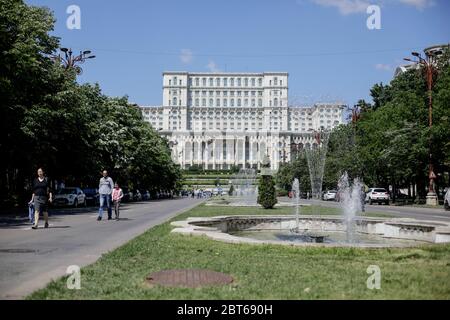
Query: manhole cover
190	278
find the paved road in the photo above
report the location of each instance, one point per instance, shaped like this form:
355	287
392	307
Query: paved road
29	259
438	214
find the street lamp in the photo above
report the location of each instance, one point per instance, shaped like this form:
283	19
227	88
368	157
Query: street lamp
69	60
429	71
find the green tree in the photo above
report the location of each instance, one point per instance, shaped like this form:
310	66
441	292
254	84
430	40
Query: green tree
266	192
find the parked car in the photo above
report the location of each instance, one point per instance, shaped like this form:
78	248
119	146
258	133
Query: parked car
70	197
447	200
92	196
330	195
379	195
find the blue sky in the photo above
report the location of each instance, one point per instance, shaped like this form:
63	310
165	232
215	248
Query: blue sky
325	45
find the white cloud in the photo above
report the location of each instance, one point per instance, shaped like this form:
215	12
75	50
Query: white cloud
383	67
186	56
419	4
345	7
212	66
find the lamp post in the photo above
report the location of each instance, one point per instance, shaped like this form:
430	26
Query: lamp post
429	71
69	60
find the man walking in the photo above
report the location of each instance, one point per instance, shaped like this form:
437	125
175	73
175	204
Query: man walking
105	188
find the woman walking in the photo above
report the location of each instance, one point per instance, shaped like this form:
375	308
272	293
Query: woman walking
41	195
117	195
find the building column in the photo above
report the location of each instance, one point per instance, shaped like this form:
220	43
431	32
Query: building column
199	152
214	154
243	152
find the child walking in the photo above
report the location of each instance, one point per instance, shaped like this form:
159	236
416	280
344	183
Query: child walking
117	195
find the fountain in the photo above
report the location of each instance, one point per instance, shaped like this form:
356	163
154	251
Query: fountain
245	188
296	196
347	230
315	157
350	202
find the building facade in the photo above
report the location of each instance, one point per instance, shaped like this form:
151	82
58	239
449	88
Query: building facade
221	120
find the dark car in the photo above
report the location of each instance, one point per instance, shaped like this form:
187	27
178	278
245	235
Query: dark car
92	196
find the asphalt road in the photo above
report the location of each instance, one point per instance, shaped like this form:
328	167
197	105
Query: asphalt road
29	259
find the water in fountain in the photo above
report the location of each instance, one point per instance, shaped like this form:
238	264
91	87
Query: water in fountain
315	157
245	188
350	202
296	196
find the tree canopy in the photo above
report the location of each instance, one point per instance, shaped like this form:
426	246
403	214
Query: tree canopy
73	131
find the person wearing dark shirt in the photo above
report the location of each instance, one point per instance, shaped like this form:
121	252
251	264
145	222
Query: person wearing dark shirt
41	195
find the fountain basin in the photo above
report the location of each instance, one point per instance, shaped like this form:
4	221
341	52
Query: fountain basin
369	232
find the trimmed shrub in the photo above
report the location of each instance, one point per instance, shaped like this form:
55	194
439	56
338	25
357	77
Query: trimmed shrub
266	192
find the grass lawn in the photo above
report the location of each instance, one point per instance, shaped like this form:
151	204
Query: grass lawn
260	271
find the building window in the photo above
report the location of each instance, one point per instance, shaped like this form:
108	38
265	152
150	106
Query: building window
253	82
218	82
225	82
260	82
218	102
275	102
211	83
238	102
175	81
197	102
211	102
232	102
174	101
275	81
245	102
253	103
259	102
232	82
170	82
225	102
246	82
203	102
204	82
197	82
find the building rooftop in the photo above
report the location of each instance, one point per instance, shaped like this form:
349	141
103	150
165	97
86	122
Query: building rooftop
225	73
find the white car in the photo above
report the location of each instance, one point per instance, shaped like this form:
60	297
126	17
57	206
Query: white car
447	200
69	197
379	195
330	195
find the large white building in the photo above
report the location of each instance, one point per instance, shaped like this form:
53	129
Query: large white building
220	120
